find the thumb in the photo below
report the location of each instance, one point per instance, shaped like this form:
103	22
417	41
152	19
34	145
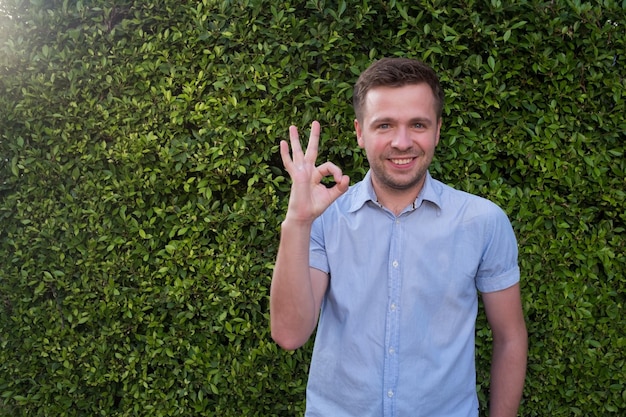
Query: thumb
340	186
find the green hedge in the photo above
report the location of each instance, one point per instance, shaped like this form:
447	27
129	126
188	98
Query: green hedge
141	190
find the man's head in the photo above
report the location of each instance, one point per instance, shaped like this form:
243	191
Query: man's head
396	72
398	104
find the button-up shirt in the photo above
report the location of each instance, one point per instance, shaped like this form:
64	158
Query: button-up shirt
396	330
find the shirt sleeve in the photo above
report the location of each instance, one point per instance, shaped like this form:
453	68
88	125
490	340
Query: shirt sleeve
499	267
317	247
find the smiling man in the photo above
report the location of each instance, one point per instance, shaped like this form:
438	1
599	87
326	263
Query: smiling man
389	270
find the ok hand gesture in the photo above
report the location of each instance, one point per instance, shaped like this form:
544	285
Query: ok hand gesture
309	197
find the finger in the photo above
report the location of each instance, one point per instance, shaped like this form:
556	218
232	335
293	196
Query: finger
343	184
313	145
296	148
340	187
285	155
329	169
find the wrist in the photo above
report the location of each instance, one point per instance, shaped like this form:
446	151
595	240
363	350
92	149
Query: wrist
293	222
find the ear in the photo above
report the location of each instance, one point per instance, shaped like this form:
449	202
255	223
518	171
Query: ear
359	133
439	122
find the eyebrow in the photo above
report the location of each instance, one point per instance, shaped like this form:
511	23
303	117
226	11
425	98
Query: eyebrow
381	120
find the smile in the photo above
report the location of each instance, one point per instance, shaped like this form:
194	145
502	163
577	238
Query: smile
403	161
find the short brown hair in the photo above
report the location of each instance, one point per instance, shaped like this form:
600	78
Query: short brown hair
396	72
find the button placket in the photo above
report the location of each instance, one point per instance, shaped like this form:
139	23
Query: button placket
392	326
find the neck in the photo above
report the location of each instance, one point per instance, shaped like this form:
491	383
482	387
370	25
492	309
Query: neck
396	200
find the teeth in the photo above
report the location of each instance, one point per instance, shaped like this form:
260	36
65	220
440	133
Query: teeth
401	161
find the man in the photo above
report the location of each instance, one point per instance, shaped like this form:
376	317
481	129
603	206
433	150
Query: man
392	266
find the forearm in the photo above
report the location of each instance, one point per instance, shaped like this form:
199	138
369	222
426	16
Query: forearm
295	296
293	312
508	372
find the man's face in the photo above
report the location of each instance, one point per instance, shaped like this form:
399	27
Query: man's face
399	131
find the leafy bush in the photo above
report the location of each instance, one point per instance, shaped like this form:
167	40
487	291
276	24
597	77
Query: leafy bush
141	190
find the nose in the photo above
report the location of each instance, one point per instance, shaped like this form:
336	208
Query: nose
402	139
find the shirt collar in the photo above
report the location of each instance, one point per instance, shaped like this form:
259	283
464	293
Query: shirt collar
430	192
365	192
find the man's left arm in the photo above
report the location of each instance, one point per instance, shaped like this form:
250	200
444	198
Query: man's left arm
510	347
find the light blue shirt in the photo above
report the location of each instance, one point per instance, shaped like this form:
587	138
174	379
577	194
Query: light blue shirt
396	330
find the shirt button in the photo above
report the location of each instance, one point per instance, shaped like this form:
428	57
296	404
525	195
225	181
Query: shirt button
390	393
392	351
395	264
393	307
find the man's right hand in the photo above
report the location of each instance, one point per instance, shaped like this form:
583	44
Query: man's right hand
309	197
297	289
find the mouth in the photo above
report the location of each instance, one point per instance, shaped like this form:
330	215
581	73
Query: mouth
401	161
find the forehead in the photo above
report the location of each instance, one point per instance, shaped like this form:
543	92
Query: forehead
413	100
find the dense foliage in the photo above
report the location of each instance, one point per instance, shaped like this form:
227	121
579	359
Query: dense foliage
141	191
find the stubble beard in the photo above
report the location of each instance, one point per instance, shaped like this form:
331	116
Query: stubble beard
394	183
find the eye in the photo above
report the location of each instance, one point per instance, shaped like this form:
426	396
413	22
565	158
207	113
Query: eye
383	126
418	126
